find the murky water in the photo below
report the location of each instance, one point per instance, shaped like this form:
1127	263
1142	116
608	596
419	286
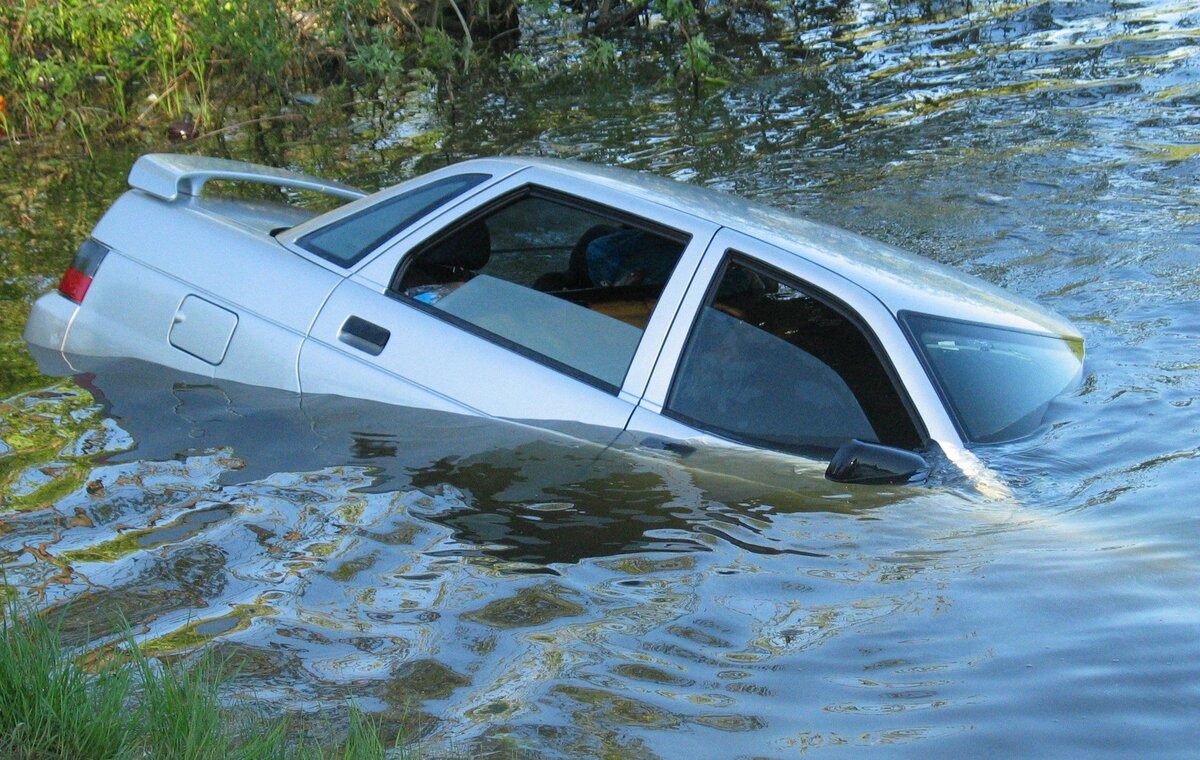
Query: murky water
497	588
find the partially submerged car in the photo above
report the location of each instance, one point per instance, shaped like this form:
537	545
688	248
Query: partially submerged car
567	296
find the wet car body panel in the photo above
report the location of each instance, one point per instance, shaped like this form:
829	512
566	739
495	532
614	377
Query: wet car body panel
202	255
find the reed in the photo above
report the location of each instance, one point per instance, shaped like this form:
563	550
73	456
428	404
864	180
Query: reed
56	704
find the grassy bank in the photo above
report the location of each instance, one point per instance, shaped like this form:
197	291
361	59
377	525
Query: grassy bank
99	69
122	68
55	704
127	68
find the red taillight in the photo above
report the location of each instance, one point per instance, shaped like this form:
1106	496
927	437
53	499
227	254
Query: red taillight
78	277
74	284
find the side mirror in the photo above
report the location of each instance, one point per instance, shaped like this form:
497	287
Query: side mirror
874	464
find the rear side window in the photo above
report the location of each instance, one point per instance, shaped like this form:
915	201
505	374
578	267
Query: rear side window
772	363
347	240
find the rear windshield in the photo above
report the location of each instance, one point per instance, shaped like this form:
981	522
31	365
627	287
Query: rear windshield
997	382
347	240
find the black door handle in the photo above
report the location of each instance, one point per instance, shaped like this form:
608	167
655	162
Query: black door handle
363	335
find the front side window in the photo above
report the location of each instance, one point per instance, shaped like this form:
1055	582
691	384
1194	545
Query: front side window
568	283
772	363
347	240
998	382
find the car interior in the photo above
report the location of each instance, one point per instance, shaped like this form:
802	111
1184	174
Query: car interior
565	281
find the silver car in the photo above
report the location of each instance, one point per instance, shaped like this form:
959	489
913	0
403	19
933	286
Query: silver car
584	299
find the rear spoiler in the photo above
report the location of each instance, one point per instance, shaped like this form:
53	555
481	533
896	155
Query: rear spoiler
169	175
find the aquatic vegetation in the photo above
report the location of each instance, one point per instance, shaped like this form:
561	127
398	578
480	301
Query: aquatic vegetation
532	606
53	704
188	524
48	439
197	633
423	679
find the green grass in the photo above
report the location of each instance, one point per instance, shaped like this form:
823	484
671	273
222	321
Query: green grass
125	69
125	706
115	68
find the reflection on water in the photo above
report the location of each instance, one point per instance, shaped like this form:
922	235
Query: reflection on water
403	556
499	587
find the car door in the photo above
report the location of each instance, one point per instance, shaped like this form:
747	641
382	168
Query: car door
483	314
771	351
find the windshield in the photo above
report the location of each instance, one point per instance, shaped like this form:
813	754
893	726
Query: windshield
997	382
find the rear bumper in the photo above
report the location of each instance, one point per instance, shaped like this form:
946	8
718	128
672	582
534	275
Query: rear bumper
49	321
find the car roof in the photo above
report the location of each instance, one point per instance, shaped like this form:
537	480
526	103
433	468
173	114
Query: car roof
902	281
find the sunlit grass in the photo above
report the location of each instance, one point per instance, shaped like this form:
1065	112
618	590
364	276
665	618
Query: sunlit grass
125	706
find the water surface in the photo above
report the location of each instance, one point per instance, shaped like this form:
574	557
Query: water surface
496	588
